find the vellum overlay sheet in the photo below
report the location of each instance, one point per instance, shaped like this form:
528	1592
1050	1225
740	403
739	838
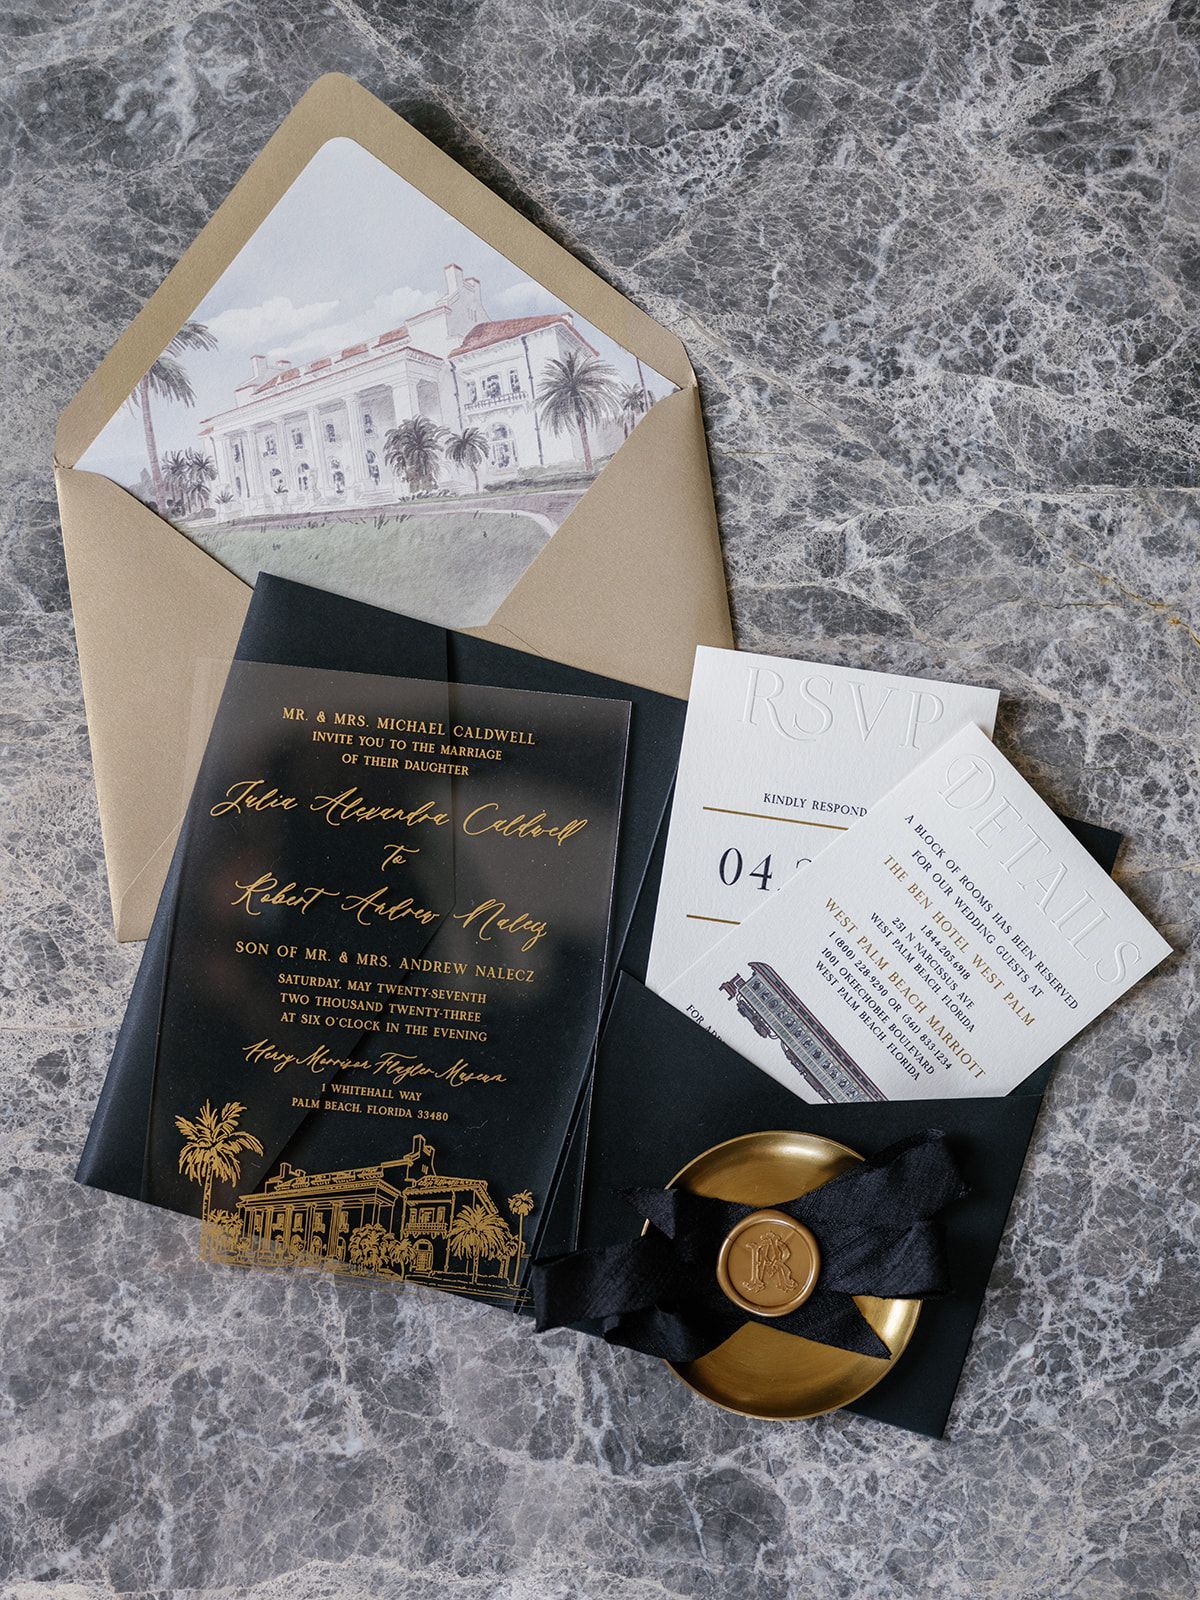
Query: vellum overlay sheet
373	400
386	961
948	945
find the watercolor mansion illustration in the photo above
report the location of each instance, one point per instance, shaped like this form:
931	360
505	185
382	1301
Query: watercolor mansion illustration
391	1221
450	402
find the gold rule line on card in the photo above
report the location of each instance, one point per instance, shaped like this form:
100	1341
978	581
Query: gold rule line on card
694	916
765	816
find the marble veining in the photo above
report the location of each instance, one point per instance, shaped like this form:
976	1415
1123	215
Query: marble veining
936	265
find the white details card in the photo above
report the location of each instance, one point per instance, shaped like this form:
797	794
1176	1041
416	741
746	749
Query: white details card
779	758
947	946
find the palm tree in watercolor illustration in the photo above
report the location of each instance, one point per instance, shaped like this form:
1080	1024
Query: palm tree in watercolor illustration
211	1147
467	449
578	391
167	380
199	471
631	405
174	471
187	475
520	1204
478	1230
413	450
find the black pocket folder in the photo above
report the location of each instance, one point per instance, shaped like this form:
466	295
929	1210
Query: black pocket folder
664	1090
290	624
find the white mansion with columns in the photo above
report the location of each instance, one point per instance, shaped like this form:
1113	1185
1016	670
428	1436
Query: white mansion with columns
312	435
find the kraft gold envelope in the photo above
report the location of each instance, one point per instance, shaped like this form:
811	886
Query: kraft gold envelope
501	443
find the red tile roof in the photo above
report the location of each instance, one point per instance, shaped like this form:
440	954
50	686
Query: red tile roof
480	336
485	333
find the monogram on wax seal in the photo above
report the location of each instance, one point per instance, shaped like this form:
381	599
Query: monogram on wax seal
768	1264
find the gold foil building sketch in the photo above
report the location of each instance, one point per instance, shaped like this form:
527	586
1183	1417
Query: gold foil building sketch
392	1221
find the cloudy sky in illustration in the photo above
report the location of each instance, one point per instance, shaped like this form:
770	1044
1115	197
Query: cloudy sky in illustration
349	252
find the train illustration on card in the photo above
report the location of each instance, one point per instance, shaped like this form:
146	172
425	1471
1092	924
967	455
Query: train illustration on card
775	1012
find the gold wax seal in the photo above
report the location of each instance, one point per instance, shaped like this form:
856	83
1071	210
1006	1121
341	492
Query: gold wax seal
768	1264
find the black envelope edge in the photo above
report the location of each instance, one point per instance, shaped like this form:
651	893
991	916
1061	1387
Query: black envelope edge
291	624
665	1089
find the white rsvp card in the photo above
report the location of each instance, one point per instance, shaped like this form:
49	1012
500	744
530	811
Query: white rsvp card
778	759
947	946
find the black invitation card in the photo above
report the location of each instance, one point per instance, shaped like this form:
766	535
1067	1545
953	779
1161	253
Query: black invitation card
290	624
385	965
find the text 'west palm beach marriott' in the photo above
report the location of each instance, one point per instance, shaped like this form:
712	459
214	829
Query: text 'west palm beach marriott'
313	435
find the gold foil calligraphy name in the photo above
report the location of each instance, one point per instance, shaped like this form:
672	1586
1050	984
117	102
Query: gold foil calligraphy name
483	820
266	890
492	914
395	1067
249	795
349	806
365	907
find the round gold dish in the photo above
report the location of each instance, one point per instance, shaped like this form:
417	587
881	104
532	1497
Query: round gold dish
761	1371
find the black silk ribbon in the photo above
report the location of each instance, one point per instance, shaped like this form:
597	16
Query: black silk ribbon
876	1225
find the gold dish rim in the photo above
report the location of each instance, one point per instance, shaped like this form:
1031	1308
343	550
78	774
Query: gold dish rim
801	1416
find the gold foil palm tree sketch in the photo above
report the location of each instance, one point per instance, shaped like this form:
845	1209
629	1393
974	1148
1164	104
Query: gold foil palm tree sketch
211	1147
222	1236
372	1248
477	1231
520	1204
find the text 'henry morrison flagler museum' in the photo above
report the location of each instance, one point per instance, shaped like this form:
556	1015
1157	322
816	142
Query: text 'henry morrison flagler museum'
313	435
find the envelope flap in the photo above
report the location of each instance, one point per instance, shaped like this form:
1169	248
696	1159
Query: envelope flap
155	605
628	586
337	107
633	580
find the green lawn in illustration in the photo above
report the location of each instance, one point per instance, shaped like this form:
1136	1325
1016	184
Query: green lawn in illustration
447	564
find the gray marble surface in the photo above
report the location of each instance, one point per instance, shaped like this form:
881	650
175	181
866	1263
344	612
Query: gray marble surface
937	267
